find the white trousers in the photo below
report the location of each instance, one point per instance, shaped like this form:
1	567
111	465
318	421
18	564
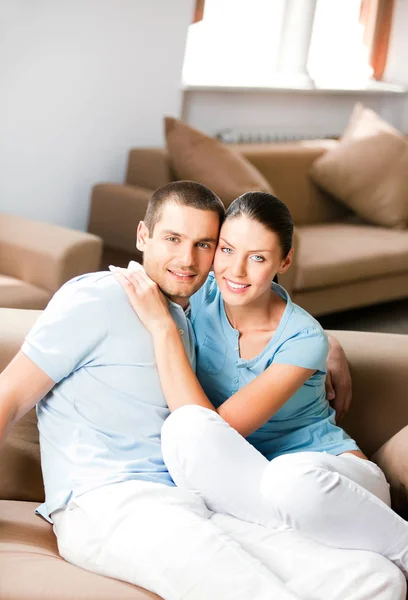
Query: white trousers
166	540
342	501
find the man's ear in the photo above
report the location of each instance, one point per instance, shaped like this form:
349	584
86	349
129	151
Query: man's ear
142	236
286	262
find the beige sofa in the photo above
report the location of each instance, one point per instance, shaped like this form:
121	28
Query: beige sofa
30	567
340	262
37	258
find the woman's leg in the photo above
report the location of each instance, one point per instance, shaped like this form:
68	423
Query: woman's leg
314	493
342	501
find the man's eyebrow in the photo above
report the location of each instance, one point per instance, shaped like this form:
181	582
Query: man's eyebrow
180	235
170	232
208	239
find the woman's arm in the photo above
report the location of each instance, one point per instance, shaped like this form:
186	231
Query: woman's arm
246	410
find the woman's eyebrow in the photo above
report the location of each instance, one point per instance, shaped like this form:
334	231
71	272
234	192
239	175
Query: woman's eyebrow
249	251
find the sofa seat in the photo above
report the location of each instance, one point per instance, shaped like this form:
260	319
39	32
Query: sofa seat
31	568
330	254
15	293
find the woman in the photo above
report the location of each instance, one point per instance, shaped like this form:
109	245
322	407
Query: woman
261	365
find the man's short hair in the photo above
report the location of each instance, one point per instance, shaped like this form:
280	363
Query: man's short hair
187	193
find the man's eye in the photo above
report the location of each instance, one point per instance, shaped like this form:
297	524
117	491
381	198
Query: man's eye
226	250
172	239
204	245
257	258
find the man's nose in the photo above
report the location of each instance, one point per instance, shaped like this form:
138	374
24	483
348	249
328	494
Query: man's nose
187	256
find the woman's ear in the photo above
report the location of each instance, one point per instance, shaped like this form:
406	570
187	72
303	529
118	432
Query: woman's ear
142	236
286	262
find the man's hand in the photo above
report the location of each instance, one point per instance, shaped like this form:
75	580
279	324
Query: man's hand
338	380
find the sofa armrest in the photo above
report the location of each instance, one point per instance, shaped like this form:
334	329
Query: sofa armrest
378	364
149	168
43	254
116	211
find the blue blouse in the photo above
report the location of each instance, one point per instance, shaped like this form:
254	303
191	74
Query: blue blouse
306	422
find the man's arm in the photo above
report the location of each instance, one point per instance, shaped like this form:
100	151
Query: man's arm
22	386
338	381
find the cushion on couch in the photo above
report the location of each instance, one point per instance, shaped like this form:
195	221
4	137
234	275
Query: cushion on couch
198	157
31	568
333	254
15	293
392	457
368	170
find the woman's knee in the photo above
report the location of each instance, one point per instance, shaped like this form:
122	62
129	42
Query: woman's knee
296	486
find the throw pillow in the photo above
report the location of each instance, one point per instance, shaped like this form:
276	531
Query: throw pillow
198	157
392	458
368	170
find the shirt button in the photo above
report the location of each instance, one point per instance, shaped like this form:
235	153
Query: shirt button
236	347
236	380
181	331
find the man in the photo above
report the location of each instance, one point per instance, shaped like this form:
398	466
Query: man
88	364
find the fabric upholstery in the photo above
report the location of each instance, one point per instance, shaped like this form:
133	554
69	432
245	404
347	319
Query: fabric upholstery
149	168
368	170
336	253
286	167
15	293
116	211
198	157
20	471
378	365
330	299
31	568
45	255
392	457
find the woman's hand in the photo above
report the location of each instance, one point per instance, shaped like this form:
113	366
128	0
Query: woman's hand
146	298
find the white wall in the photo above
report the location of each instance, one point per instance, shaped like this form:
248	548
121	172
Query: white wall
81	82
300	113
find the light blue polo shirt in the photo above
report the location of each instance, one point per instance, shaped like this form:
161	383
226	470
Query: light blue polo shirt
306	422
101	423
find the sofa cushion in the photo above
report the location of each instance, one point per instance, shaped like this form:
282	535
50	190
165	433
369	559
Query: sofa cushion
392	457
15	293
368	170
31	568
336	253
198	157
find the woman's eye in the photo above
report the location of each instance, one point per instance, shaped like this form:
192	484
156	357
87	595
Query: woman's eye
257	258
226	250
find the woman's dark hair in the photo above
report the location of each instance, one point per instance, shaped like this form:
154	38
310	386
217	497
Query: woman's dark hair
268	210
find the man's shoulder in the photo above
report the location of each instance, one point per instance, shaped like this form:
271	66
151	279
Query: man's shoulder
100	286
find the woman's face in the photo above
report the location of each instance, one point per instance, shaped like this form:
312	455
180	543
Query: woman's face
247	258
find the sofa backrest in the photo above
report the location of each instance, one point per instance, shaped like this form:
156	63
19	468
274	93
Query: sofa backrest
20	470
284	165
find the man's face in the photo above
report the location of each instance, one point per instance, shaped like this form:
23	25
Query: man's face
179	255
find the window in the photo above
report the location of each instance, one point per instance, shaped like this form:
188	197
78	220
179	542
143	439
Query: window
289	43
236	43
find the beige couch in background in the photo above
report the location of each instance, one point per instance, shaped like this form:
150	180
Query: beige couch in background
37	258
30	567
341	262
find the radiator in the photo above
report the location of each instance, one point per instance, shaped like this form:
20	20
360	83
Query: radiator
246	136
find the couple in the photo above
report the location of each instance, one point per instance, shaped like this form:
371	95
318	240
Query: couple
255	518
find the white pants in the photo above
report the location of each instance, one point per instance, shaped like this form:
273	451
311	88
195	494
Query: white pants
166	540
342	501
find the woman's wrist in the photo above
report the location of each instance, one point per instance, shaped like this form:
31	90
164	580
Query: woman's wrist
166	327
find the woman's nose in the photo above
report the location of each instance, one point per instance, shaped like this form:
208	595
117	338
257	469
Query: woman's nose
238	268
